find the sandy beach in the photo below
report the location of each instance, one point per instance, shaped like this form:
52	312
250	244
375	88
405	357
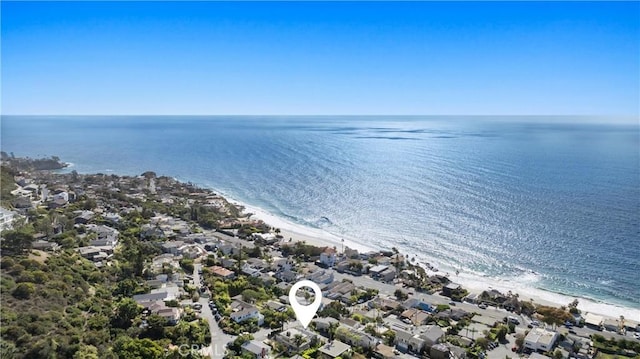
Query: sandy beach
474	283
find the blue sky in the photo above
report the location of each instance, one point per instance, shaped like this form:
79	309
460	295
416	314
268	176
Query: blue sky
321	58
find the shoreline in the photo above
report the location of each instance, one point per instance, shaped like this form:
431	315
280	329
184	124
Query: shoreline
475	283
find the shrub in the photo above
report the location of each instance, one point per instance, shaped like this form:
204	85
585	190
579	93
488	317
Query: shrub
24	290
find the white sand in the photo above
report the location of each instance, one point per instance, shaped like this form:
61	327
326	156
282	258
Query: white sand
523	285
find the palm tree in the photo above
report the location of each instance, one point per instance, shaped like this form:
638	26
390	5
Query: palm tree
298	340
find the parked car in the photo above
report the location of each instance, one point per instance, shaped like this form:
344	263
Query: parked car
512	319
482	306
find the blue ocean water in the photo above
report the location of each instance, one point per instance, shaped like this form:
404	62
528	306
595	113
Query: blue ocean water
497	197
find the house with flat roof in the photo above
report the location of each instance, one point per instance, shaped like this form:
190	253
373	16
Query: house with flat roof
334	349
295	339
593	321
540	339
375	271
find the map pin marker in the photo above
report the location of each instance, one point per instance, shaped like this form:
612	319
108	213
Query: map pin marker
305	313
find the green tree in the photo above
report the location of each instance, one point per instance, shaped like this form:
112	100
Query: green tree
127	348
333	328
16	241
156	328
187	265
482	343
298	340
502	332
86	352
401	295
126	311
557	354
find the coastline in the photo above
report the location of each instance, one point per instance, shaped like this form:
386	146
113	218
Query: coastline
475	283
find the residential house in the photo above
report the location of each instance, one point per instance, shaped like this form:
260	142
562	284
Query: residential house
256	348
328	257
280	263
83	217
287	275
471	298
228	249
294	339
417	303
416	316
172	315
277	306
432	336
323	324
250	270
145	299
6	218
172	247
244	312
439	351
408	341
611	324
45	245
334	349
356	337
593	321
540	339
451	289
388	274
107	236
384	352
88	252
229	263
222	272
321	276
112	217
377	270
385	304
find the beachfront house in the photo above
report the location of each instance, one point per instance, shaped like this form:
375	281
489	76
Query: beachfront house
593	321
328	257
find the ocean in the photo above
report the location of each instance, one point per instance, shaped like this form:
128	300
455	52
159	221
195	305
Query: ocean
549	205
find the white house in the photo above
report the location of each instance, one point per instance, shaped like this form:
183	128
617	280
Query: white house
328	257
408	341
540	339
6	219
247	312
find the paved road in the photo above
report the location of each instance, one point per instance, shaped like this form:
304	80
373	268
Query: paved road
219	340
